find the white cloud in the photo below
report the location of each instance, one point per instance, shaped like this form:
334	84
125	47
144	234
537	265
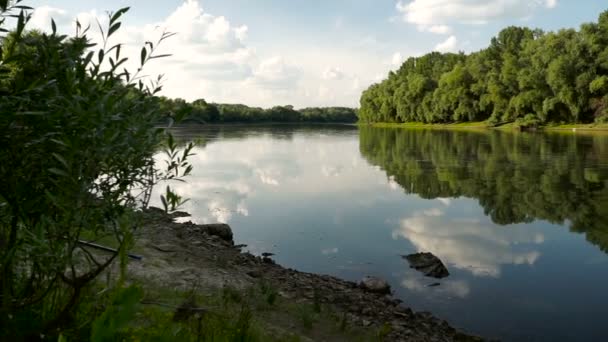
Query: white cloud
439	29
397	59
333	73
275	73
469	244
41	18
435	15
448	45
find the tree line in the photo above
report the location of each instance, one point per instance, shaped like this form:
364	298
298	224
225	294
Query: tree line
203	112
524	75
516	178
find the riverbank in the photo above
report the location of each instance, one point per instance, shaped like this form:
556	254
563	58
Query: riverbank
485	125
303	306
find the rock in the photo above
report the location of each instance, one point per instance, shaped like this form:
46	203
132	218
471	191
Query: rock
376	285
267	260
178	214
267	254
428	264
254	274
220	230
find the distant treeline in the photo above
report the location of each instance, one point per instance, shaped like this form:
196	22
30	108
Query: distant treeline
524	75
203	112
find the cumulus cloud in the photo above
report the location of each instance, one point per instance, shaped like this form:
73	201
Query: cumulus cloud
210	55
435	15
440	29
333	73
397	59
276	74
448	45
41	18
551	3
212	58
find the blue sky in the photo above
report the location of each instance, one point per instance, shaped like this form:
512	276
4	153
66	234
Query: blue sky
307	53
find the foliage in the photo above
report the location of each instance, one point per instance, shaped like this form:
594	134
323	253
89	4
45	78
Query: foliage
203	112
117	315
556	77
79	135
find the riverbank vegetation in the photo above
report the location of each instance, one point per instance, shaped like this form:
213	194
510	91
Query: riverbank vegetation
213	113
525	76
78	143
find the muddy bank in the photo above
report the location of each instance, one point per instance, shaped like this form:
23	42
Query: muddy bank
183	255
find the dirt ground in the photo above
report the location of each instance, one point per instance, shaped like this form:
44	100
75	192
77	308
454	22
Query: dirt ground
186	255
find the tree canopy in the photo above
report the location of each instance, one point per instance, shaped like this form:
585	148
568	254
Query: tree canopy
523	74
203	112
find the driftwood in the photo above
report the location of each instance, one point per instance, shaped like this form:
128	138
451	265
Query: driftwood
108	249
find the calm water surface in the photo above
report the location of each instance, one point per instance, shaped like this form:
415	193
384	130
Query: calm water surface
521	220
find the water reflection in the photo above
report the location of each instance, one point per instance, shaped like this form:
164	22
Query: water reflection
498	208
516	178
469	244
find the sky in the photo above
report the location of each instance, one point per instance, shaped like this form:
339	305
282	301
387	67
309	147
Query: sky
302	52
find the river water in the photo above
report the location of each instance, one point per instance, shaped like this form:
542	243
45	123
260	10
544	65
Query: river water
520	219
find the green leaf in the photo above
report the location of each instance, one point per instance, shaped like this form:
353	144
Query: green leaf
117	316
113	28
161	56
118	14
58	172
164	202
61	160
143	55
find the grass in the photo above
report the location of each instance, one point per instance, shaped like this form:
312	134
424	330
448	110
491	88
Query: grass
142	312
460	125
484	125
577	127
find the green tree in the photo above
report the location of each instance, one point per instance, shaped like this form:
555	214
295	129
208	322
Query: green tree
79	135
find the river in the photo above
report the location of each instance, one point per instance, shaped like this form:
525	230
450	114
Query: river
520	219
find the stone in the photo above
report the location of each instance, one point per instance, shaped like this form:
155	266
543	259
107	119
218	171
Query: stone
221	230
428	264
254	274
375	285
179	214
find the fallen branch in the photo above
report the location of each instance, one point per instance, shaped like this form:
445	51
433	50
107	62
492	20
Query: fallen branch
108	249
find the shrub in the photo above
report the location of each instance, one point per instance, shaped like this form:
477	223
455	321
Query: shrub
77	145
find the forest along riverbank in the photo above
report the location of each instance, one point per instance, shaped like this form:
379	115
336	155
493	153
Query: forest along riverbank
186	256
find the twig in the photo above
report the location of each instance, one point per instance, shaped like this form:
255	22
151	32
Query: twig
164	305
108	249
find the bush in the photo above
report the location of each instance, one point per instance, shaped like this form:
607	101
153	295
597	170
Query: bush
528	121
77	145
